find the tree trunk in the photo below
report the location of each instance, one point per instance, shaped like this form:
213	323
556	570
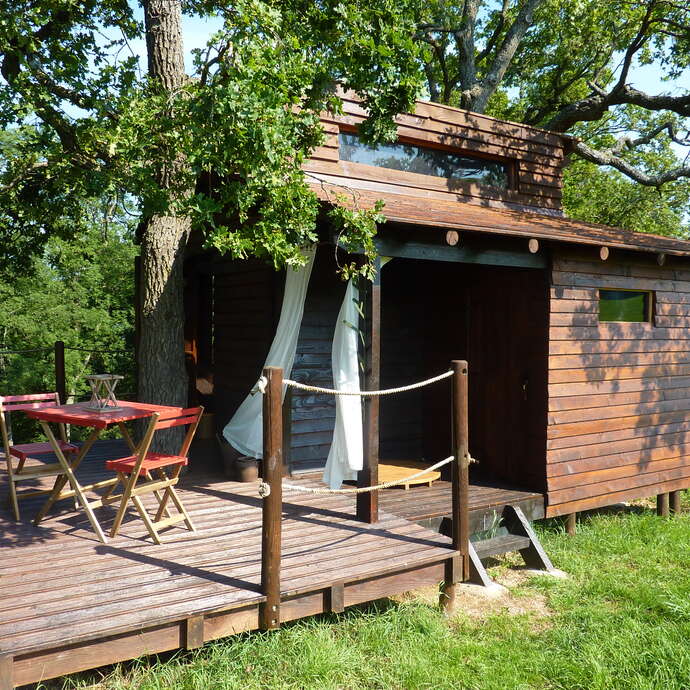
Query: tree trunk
162	375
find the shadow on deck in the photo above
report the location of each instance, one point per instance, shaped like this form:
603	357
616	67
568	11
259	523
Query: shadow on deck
72	603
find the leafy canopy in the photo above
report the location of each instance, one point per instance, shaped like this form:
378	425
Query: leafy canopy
573	66
243	123
80	291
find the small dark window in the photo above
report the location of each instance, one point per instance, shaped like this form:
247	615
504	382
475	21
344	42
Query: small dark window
624	305
425	161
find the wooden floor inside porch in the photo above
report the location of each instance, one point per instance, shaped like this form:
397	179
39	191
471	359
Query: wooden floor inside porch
71	603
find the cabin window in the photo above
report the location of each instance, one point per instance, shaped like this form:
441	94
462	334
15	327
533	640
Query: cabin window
425	161
625	305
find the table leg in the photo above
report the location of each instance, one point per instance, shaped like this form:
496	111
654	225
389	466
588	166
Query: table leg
61	480
128	438
70	476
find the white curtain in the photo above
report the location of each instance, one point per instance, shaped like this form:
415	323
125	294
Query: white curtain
245	430
345	455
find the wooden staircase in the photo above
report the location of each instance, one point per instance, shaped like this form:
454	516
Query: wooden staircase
519	536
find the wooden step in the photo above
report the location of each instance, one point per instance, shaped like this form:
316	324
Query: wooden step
500	545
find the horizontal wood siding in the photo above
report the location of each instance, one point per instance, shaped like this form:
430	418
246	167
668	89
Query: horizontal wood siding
246	308
538	157
619	393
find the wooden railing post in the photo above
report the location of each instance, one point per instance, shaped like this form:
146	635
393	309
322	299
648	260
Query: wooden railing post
269	611
60	384
368	502
460	515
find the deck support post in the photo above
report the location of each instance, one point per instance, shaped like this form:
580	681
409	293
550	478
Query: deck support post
368	502
336	597
662	505
460	515
269	611
194	632
675	502
6	672
571	524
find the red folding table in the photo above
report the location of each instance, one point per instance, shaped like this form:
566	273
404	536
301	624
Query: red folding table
79	414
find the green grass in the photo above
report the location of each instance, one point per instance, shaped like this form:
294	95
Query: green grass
621	620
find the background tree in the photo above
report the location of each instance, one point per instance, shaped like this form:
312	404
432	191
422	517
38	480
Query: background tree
568	66
248	115
79	291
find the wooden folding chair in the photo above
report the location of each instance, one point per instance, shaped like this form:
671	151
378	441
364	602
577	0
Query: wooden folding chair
144	464
22	452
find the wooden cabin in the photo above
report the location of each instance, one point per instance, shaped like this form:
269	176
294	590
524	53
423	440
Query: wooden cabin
576	334
579	386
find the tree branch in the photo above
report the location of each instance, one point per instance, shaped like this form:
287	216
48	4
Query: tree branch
431	82
466	48
627	142
441	58
609	157
505	54
640	39
23	174
595	105
493	39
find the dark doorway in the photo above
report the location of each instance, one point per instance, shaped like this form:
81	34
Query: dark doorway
495	317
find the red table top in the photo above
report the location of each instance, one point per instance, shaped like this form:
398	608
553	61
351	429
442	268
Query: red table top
79	415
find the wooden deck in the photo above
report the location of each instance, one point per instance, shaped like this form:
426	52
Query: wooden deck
71	603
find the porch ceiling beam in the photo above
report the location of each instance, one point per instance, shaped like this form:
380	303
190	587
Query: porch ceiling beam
460	254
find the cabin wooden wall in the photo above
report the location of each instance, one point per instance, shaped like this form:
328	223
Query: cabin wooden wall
246	306
538	154
619	393
247	297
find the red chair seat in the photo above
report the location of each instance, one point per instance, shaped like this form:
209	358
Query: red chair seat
152	461
26	450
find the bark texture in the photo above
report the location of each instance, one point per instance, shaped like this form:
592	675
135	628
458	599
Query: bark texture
162	375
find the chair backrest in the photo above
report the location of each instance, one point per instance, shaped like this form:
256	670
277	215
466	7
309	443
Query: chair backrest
167	420
16	403
190	416
34	401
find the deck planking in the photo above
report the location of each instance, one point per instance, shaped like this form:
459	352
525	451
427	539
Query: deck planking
73	603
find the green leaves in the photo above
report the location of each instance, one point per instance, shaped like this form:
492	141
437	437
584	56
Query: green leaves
226	148
80	291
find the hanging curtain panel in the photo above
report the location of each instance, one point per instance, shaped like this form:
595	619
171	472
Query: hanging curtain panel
245	430
345	455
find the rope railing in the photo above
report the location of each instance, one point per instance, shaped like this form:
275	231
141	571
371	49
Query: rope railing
265	489
67	347
58	350
99	352
271	385
261	387
21	352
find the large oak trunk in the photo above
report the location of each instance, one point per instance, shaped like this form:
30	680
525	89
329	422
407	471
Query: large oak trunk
162	375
